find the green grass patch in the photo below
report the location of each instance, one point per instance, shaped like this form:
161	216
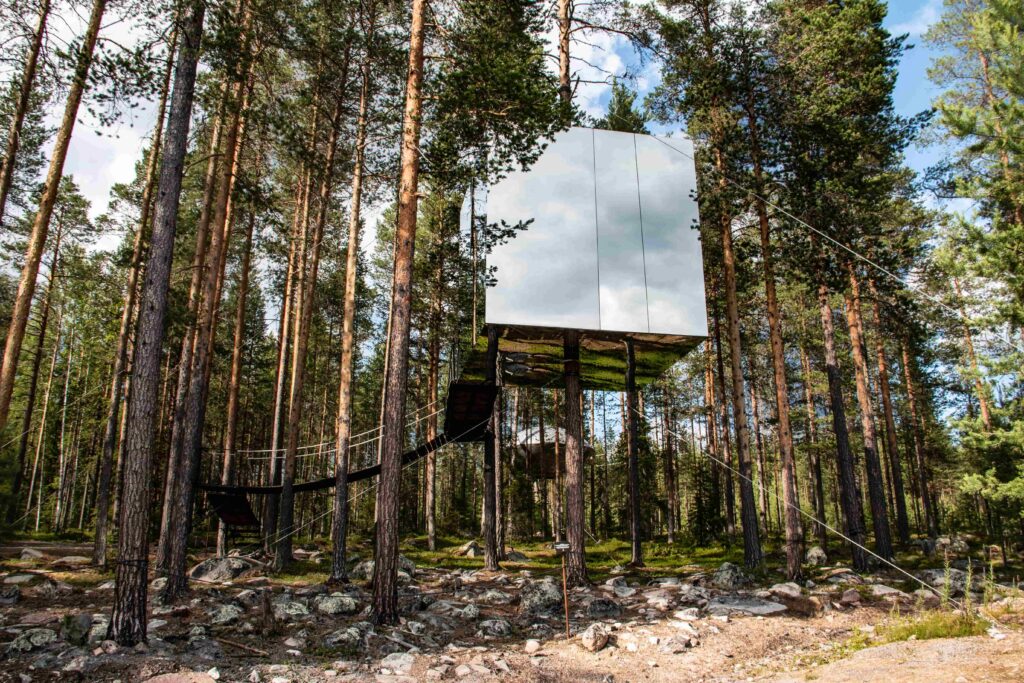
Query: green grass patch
934	624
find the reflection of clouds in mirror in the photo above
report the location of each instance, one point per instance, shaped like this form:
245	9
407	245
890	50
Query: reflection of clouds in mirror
675	273
547	274
611	246
620	242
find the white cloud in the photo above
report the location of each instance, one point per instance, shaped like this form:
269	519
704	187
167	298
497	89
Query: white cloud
926	15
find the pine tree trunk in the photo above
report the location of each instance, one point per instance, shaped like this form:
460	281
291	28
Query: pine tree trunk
128	619
343	424
872	464
492	445
817	485
565	8
199	266
576	558
28	78
283	554
752	554
195	404
46	408
385	580
726	442
99	549
30	397
227	476
892	447
633	456
848	498
931	521
41	225
794	530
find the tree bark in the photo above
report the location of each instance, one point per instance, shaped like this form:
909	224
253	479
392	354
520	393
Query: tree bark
227	475
128	619
283	554
872	464
30	398
817	485
979	386
576	558
931	522
794	531
385	581
28	78
564	31
343	424
41	224
726	442
492	445
848	498
180	517
99	548
633	456
892	446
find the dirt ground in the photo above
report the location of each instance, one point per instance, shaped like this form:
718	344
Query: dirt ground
652	639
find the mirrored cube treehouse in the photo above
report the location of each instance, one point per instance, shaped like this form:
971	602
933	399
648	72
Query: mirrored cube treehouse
604	243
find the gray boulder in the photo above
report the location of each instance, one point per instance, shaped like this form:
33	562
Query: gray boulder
730	577
603	608
494	597
336	603
349	638
496	627
75	628
595	637
730	604
9	595
225	614
31	554
32	639
222	569
539	597
816	556
288	610
516	556
364	570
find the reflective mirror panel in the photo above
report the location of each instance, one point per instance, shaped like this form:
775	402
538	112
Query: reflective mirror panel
620	245
672	250
547	274
609	249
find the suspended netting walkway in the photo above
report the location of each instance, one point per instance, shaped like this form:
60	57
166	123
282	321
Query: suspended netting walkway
467	411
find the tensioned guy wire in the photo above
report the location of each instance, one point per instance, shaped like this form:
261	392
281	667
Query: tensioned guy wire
865	259
846	538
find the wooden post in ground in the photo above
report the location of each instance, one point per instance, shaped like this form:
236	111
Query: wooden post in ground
633	448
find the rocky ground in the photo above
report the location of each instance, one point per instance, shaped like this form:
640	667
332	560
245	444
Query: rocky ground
465	625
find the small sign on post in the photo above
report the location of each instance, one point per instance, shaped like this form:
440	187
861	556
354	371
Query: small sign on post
562	549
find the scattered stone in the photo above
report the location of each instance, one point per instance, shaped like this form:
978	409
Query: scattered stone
516	556
603	608
850	597
730	577
71	562
75	628
690	594
843	575
495	597
659	600
665	581
531	646
816	556
398	662
220	569
347	638
9	595
471	612
31	554
470	549
32	639
789	591
595	637
881	591
540	596
336	603
364	570
688	614
726	604
956	578
927	598
23	579
500	628
158	584
289	610
226	614
463	670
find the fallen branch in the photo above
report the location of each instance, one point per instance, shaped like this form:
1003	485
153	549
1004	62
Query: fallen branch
243	646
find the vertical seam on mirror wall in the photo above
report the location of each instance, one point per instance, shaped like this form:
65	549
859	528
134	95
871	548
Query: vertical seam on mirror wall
597	231
643	247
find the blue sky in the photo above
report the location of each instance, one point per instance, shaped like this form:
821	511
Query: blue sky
914	91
